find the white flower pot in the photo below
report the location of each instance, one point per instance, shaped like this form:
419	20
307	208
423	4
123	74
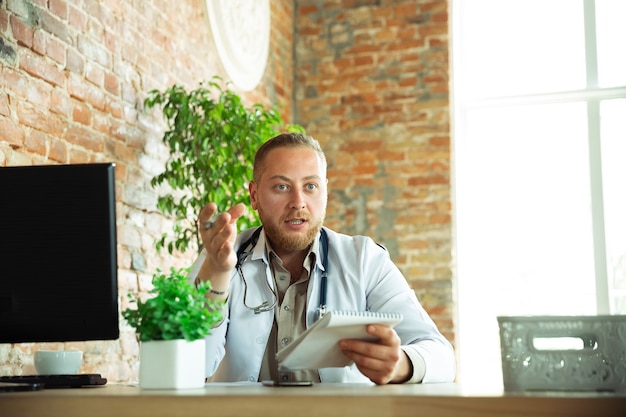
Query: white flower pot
171	364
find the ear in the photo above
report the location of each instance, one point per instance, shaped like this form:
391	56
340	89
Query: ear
252	189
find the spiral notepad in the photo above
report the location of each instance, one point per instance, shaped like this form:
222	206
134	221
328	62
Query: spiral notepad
317	347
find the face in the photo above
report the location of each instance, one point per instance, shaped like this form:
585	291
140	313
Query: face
291	197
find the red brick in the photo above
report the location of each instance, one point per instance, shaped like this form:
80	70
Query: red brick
22	32
11	132
81	113
56	50
78	156
77	87
77	18
391	156
38	119
129	94
74	61
4	104
130	53
111	83
119	151
365	170
4	21
406	9
369	158
114	108
430	30
39	42
440	218
58	151
59	8
428	180
385	35
36	142
94	74
93	50
55	26
60	102
306	10
364	60
13	82
84	138
406	32
440	17
42	68
440	166
101	123
364	182
408	82
439	141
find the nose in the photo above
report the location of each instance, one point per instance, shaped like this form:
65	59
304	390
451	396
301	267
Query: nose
297	200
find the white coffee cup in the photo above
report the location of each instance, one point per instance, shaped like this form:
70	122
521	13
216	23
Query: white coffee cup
58	362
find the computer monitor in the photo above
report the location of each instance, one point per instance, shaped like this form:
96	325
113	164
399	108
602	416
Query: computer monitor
58	253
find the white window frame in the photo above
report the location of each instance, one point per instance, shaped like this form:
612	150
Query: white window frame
592	95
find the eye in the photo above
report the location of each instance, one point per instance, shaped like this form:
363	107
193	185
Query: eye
281	187
311	187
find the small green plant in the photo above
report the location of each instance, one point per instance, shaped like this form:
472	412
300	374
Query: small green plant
178	309
212	138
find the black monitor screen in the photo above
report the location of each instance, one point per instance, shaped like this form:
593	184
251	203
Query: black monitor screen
58	253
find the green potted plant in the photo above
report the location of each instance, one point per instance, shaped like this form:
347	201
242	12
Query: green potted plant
212	138
171	326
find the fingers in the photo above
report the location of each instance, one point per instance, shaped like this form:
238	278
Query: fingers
237	211
387	337
209	217
380	361
386	349
218	233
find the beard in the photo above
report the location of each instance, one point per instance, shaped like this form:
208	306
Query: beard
290	242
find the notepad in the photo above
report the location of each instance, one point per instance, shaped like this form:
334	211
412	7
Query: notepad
317	347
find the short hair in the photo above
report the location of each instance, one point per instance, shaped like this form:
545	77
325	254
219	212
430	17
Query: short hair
285	140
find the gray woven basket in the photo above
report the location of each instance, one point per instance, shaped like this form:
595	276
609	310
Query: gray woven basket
563	353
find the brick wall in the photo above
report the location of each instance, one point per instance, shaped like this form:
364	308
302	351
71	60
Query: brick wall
372	85
73	77
370	81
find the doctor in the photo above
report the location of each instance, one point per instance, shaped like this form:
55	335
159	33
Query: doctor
277	279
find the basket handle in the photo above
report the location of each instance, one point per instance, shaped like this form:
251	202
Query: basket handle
555	342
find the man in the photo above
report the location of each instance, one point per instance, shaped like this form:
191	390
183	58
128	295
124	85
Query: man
270	280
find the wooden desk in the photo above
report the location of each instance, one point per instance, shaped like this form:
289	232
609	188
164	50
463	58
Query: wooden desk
321	400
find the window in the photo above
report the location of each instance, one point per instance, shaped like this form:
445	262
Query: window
539	92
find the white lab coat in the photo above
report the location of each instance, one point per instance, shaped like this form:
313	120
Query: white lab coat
361	277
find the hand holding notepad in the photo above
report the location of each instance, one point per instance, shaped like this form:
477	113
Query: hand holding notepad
317	347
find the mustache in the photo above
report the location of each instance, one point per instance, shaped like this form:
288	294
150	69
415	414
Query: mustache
297	216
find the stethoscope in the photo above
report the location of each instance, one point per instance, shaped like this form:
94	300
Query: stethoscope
242	254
